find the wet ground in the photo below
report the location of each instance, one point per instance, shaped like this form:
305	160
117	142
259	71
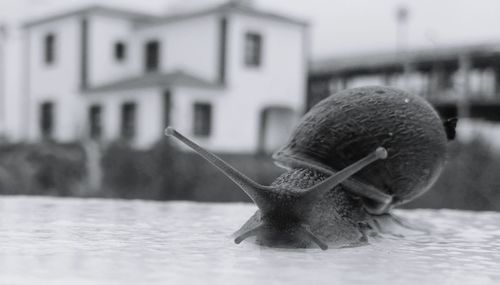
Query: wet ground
75	241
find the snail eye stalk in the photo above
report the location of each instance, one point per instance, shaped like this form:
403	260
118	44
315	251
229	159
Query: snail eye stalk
332	181
376	201
257	192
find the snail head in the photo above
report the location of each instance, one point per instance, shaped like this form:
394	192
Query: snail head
284	212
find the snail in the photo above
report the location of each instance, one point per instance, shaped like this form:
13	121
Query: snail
351	158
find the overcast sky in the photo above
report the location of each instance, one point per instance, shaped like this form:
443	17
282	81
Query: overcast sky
337	26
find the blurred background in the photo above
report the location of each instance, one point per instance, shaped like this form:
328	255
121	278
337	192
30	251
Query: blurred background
87	88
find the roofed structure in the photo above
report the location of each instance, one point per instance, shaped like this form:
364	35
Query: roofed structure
393	61
231	6
109	11
459	80
146	19
175	78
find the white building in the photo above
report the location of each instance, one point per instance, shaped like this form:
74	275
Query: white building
232	77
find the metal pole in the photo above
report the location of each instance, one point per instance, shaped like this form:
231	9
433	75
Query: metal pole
402	29
402	14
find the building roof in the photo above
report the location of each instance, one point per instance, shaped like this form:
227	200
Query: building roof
110	11
146	20
176	78
388	59
229	7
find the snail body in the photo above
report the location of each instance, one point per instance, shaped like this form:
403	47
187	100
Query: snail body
350	159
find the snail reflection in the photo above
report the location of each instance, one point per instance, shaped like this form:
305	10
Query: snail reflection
351	158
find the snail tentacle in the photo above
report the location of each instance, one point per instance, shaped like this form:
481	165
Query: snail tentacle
252	232
353	185
254	190
327	184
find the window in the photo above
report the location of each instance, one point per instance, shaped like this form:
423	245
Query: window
120	51
128	120
49	47
151	56
253	49
95	121
202	119
47	119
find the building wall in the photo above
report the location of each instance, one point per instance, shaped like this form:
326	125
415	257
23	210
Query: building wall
279	81
149	114
183	101
237	108
103	33
11	93
190	45
58	82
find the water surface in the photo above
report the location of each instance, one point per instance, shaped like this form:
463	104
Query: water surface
75	241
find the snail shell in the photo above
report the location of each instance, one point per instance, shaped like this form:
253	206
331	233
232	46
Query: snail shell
342	128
